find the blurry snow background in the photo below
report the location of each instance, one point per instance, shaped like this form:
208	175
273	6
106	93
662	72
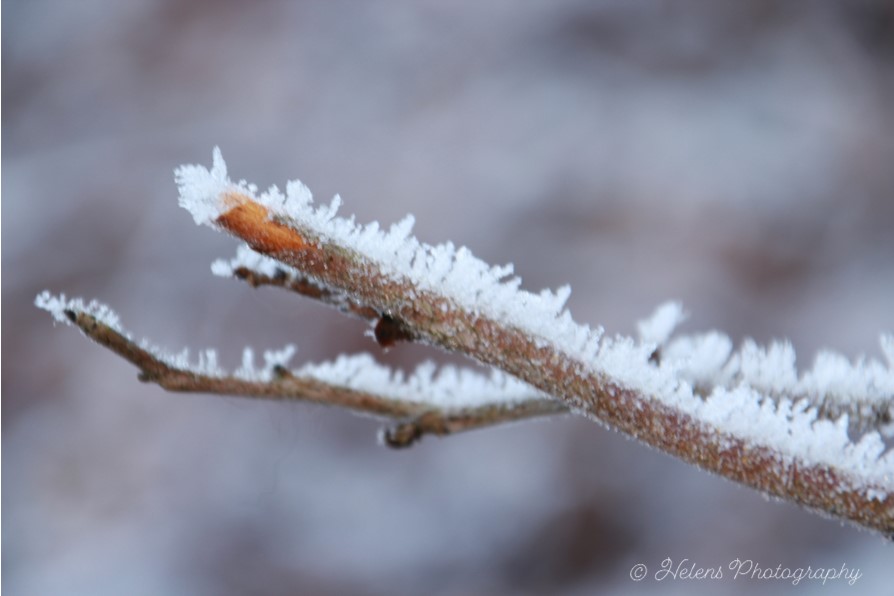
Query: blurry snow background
737	157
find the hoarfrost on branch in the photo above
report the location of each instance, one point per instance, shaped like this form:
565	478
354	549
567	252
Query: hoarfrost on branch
815	437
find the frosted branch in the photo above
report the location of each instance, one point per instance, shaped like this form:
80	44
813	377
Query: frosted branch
426	402
743	415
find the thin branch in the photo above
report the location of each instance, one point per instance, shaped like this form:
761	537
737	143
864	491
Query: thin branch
305	287
259	270
415	418
439	320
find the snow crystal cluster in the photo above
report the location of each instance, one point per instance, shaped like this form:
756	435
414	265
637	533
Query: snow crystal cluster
445	387
755	394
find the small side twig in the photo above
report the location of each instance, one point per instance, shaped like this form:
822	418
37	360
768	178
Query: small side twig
304	286
258	270
415	418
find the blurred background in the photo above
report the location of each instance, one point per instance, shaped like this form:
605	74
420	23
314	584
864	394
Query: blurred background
735	156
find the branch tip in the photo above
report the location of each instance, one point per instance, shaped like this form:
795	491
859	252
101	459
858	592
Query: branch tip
252	222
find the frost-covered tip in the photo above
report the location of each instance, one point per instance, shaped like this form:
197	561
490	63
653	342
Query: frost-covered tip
454	272
201	190
60	307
